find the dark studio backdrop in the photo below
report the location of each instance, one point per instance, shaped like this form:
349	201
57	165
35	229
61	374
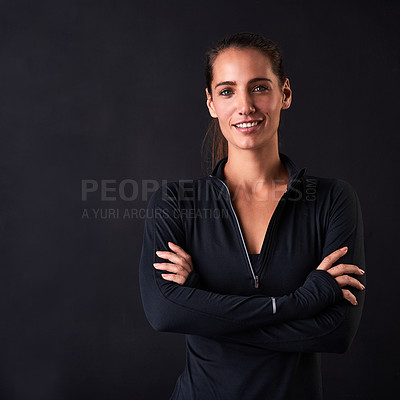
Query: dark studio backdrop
110	95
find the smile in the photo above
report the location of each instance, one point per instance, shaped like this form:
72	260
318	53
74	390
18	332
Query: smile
247	124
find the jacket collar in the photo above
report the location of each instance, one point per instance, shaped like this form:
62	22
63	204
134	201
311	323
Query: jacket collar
295	173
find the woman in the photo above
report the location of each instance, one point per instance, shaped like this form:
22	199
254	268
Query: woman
259	264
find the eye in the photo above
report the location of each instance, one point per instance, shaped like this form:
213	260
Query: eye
260	88
225	92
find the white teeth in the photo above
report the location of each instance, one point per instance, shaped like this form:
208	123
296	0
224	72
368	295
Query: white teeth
247	125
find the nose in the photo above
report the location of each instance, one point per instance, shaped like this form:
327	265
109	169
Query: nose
245	105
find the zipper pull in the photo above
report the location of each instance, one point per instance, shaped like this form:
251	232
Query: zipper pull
256	281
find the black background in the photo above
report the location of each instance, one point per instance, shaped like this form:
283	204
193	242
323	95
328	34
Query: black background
114	90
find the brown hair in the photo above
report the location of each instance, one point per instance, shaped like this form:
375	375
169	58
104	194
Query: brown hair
215	146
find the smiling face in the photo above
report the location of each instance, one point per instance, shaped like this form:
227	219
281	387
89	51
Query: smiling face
247	98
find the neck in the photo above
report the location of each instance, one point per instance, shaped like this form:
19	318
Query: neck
255	168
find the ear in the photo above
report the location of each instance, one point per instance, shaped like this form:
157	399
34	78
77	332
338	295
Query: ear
287	95
210	105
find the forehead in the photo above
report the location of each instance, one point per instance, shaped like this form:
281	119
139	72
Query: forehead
239	64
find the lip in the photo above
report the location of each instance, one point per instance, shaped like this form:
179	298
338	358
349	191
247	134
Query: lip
248	130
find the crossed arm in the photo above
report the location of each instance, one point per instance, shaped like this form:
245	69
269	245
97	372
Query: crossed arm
316	317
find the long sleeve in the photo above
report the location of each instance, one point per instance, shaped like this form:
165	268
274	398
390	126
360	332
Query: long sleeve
179	308
332	330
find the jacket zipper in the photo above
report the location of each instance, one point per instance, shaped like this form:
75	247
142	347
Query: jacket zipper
271	227
255	277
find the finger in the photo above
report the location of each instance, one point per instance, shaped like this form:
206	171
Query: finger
346	280
174	268
174	278
332	258
174	258
342	269
349	297
179	251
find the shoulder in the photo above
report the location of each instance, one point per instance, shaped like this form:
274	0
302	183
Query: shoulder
331	187
174	192
167	193
334	196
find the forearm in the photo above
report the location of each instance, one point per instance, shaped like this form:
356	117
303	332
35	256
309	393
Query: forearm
331	331
175	308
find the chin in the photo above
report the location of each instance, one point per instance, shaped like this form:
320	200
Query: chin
247	146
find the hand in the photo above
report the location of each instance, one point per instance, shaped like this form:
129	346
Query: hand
180	266
339	272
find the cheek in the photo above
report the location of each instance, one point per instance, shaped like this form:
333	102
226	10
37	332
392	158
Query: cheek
271	106
223	110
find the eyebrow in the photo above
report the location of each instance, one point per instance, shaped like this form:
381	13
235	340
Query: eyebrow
233	83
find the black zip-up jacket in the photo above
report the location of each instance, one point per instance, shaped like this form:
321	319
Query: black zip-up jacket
253	332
